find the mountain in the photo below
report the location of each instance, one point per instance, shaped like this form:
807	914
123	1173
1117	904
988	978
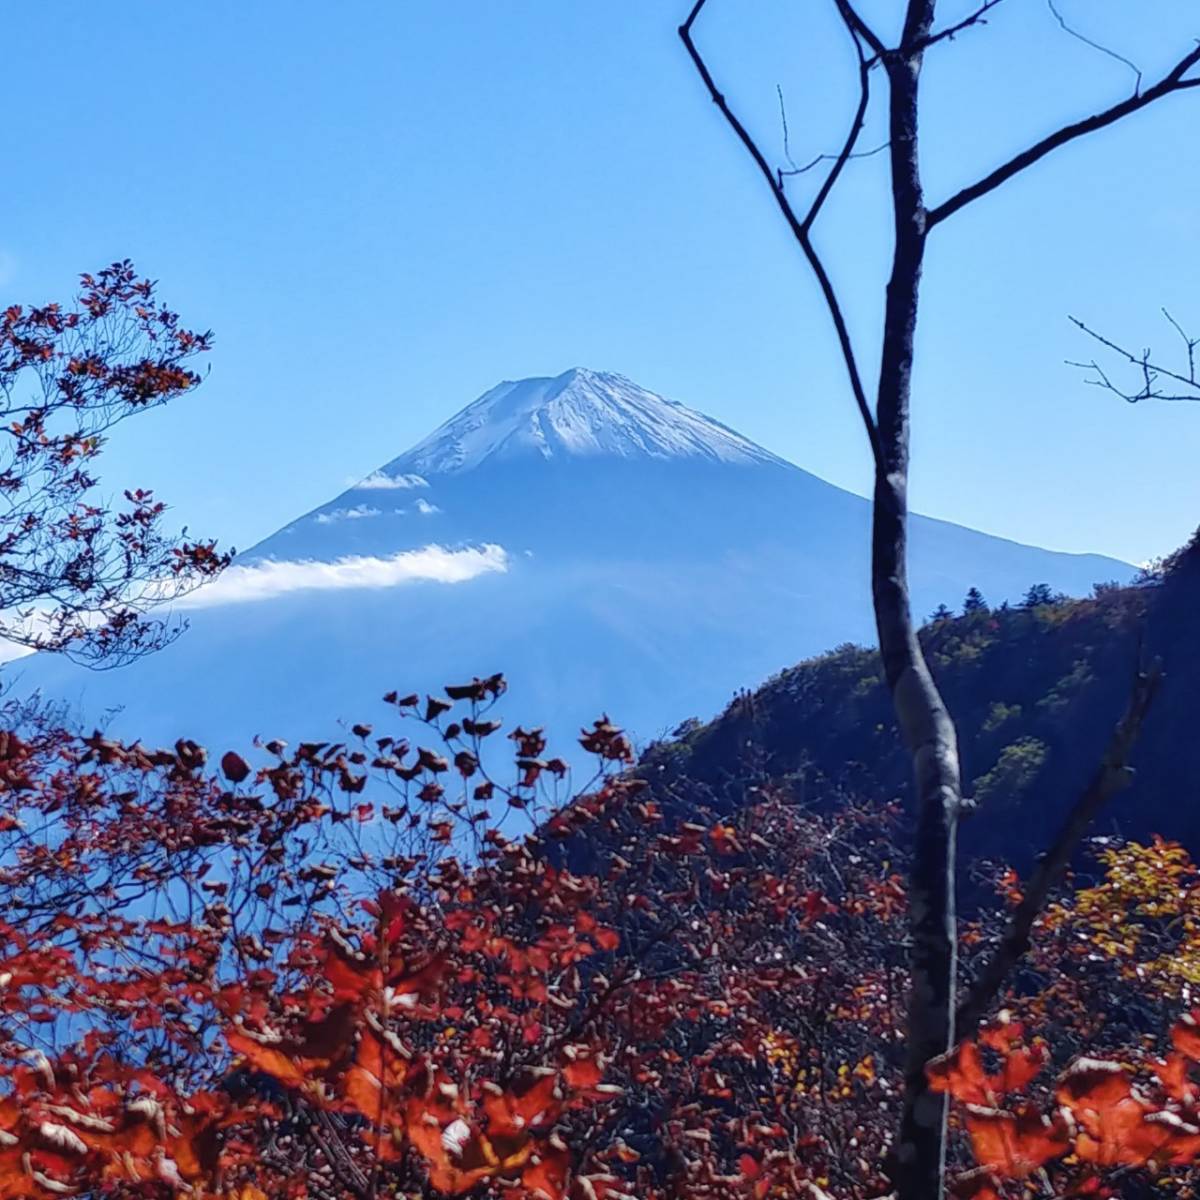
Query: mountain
605	548
1035	692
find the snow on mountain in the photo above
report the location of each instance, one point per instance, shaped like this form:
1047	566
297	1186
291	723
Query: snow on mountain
580	413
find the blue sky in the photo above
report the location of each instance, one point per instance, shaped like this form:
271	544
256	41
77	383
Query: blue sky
382	209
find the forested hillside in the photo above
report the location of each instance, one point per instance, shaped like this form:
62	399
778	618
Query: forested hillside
1036	691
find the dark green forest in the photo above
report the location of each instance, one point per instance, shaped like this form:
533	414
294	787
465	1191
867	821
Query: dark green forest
1036	690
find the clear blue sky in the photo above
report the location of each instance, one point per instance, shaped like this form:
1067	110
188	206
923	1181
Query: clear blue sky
384	208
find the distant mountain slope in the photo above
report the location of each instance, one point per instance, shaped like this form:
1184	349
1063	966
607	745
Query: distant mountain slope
1036	693
606	548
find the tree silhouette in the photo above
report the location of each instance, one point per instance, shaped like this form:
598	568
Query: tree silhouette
892	64
1039	594
76	576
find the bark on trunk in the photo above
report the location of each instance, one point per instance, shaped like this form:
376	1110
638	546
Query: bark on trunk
918	1158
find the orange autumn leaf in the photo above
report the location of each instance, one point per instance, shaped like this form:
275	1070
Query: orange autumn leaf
1014	1145
379	1069
961	1075
266	1058
583	1074
1112	1120
545	1178
513	1111
1173	1074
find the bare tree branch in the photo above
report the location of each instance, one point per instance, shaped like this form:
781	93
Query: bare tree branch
1173	81
802	228
1113	775
1151	371
859	28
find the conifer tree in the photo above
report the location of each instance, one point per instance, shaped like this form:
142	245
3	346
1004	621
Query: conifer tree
1038	595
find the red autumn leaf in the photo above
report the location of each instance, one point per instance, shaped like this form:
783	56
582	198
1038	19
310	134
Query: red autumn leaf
961	1073
1185	1036
816	906
1019	1067
749	1166
582	1074
350	975
234	767
607	939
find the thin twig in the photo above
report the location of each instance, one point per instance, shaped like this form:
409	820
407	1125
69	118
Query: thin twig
787	149
1190	342
780	173
852	135
1087	41
820	158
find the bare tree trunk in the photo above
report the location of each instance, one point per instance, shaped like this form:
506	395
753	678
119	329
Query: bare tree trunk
918	1159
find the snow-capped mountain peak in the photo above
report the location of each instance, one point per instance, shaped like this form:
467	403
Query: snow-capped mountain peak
580	413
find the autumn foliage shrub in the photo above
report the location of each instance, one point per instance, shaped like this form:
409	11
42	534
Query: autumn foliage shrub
332	974
329	973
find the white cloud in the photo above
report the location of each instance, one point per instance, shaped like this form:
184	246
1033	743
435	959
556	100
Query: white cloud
425	508
346	514
378	481
265	580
